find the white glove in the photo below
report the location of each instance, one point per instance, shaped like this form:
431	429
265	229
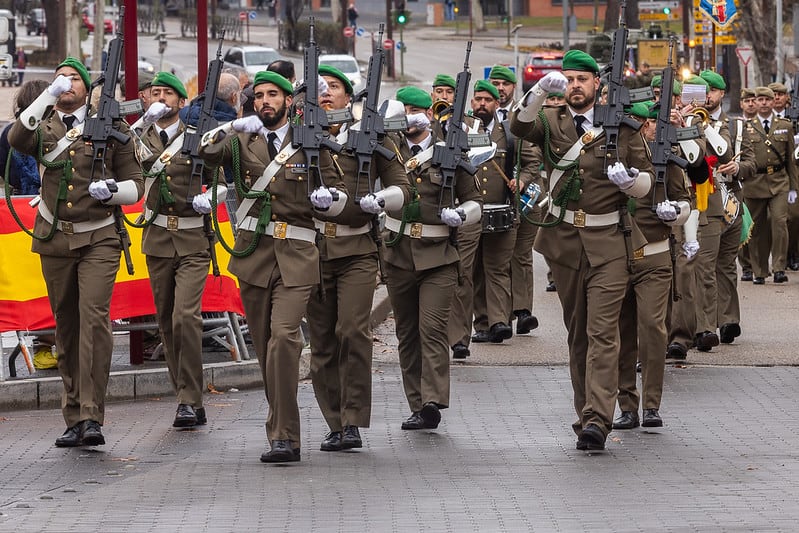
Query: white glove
99	189
322	85
796	139
154	112
617	173
371	204
250	124
554	82
59	86
667	211
418	121
322	198
452	217
202	203
791	197
690	248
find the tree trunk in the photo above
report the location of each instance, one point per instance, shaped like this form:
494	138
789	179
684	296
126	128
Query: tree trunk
612	16
757	21
477	16
294	10
338	10
56	33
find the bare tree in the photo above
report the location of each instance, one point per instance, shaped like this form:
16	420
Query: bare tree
613	12
477	15
757	21
294	9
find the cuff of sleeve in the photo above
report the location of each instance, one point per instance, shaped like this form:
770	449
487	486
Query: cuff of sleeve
32	116
641	185
473	211
127	194
338	205
533	102
682	217
691	226
221	194
393	198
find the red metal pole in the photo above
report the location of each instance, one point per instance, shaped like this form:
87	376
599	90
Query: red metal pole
131	51
202	44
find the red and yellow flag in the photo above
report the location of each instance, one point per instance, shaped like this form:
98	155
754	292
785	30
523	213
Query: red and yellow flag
23	294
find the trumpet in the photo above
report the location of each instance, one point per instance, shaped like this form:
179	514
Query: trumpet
442	110
702	114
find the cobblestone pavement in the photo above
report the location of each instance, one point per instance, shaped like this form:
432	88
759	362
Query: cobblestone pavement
503	460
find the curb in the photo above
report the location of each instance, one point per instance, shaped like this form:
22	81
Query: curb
125	385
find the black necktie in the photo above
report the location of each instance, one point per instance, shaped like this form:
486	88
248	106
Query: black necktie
578	124
69	121
164	138
270	144
503	115
765	125
415	149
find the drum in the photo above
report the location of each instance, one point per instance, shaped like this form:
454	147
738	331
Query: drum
497	217
732	207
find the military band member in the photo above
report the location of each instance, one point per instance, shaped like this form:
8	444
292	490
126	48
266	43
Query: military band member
421	264
587	250
771	189
341	332
275	256
176	246
642	322
443	95
781	98
80	253
504	80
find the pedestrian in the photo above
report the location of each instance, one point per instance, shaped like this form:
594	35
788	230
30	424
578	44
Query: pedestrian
23	170
78	244
275	256
338	314
352	15
22	62
421	263
588	248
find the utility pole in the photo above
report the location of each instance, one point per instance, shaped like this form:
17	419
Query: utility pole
778	51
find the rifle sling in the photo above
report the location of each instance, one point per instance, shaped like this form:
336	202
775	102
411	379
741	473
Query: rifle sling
64	142
262	183
573	152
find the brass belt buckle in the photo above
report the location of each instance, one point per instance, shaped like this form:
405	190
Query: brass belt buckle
579	219
416	230
171	223
639	253
66	228
280	230
330	230
770	169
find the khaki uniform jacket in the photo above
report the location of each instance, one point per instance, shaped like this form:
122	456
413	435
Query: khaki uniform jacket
120	162
492	174
564	243
390	173
426	253
766	148
677	189
298	260
158	241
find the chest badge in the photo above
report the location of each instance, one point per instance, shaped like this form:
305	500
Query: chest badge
588	137
412	163
282	157
73	134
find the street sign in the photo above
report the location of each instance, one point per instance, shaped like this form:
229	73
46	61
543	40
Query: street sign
400	45
360	31
744	53
658	16
673	4
721	12
722	40
5	67
388	44
253	14
242	15
348	31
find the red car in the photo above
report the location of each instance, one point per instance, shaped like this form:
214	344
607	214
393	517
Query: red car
108	24
539	64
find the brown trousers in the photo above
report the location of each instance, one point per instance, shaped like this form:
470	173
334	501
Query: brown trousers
178	284
79	289
770	216
341	340
459	328
681	315
521	266
492	279
728	309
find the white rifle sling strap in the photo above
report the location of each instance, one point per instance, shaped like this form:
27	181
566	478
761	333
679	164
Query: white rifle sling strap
262	183
70	137
159	165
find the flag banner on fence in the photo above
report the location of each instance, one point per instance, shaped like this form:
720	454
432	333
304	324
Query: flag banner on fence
23	294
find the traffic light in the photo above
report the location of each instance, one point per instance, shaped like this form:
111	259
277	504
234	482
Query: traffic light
666	10
402	17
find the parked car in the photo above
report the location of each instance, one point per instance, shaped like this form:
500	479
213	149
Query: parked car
36	23
539	64
108	24
252	58
348	65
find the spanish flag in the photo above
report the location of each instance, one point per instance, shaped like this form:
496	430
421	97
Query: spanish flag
23	294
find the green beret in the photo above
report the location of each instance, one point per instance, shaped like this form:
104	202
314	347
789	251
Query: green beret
747	92
267	76
555	95
579	60
444	79
80	67
501	72
167	79
414	96
676	87
327	70
696	80
642	109
713	79
778	87
485	85
764	91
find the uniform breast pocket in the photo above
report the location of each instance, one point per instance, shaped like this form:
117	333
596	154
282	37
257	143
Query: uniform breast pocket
435	177
294	183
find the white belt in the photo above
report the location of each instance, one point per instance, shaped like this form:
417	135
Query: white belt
280	230
174	223
69	228
653	248
417	230
581	219
333	230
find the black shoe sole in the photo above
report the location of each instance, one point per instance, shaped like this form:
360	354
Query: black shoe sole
431	416
652	424
460	353
497	338
280	458
349	445
526	325
93	440
330	448
728	332
626	426
184	422
69	444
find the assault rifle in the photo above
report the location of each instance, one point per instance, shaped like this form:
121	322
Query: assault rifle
191	142
101	127
450	155
611	116
311	133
